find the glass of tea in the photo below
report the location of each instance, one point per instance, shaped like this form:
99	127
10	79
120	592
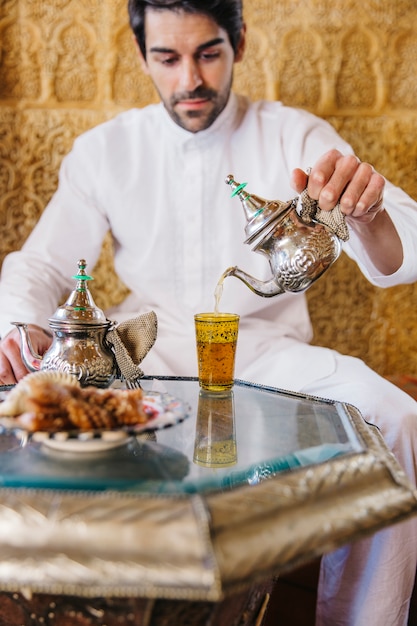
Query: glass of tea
216	337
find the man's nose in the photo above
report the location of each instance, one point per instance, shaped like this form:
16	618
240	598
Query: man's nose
190	77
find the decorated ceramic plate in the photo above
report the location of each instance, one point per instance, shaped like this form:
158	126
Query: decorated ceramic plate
162	409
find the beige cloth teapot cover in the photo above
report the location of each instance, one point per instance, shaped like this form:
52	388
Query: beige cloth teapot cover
131	342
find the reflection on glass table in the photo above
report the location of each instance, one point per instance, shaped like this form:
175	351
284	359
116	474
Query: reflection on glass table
225	440
215	430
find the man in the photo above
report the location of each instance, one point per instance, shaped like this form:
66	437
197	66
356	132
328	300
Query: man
155	178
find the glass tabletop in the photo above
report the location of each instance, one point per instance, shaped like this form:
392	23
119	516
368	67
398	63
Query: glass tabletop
224	440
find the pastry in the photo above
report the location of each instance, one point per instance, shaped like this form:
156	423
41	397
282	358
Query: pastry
54	403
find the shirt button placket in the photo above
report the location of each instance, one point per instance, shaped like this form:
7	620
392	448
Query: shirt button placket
193	225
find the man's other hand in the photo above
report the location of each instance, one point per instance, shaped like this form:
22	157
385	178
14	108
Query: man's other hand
12	368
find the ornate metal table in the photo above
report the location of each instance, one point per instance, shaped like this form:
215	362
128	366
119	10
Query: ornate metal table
248	484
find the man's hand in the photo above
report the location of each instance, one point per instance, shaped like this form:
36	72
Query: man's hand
359	190
12	368
344	179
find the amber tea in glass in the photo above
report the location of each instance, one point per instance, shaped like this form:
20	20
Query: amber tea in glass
216	337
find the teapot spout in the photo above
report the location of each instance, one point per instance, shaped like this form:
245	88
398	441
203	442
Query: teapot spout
266	289
30	358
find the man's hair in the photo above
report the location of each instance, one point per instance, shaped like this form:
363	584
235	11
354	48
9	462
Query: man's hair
228	14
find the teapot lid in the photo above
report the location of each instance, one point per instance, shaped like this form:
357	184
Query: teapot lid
80	306
259	212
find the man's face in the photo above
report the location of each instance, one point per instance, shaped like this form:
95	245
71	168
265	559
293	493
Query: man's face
190	60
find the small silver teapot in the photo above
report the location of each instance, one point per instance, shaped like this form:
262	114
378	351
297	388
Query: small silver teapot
299	249
79	344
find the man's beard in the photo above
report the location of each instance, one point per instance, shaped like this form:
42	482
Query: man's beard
218	99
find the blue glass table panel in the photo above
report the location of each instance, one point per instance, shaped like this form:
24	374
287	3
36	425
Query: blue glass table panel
226	440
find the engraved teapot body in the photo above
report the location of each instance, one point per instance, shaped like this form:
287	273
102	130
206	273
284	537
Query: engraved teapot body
79	345
299	250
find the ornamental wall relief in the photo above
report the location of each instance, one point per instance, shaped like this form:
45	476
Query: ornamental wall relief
67	65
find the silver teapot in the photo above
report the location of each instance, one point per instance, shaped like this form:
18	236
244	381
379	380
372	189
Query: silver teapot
79	345
299	249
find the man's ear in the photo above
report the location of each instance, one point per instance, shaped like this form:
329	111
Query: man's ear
241	45
142	60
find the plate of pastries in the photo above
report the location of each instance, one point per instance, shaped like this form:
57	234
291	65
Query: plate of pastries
52	406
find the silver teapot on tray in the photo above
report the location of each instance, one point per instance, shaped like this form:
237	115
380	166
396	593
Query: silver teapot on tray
299	248
79	345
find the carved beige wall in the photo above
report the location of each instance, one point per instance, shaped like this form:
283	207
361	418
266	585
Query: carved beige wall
66	65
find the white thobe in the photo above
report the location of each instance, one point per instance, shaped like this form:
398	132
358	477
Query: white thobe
161	192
